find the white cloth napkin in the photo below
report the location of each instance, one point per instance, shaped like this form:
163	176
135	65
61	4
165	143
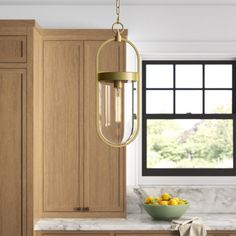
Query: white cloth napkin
191	227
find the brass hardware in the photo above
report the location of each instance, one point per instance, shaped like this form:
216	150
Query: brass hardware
86	209
118	76
118	79
77	208
21	48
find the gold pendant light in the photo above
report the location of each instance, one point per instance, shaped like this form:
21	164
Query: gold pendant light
118	96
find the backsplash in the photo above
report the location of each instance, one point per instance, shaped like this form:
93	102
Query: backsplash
202	199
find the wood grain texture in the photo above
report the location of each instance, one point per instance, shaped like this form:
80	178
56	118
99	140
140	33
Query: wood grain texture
12	48
63	70
27	212
148	234
81	234
38	122
18	23
12	150
104	167
78	34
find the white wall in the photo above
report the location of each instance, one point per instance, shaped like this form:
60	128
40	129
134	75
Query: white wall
161	29
152	22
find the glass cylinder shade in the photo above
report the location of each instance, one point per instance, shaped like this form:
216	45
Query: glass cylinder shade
117	106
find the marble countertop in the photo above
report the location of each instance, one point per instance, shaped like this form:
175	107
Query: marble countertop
133	222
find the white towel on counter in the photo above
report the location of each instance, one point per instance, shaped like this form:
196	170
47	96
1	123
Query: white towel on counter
191	227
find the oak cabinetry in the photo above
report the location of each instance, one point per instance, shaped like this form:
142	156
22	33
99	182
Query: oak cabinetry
73	234
80	176
16	127
12	150
80	234
63	72
104	175
12	48
53	164
149	234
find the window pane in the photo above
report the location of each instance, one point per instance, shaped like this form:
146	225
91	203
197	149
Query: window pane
189	101
218	101
189	76
159	76
190	143
159	102
218	76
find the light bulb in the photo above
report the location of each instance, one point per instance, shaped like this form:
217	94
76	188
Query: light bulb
118	105
107	106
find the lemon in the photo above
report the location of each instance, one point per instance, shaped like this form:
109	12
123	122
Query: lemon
182	202
158	199
176	199
164	203
148	200
165	196
173	202
156	203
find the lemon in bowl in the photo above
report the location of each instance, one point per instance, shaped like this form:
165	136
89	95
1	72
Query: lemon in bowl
165	207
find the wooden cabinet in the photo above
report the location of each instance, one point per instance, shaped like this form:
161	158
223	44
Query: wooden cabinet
72	234
16	126
103	166
76	234
161	233
12	150
80	175
12	48
63	71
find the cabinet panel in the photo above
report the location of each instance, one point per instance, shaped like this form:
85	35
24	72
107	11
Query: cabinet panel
12	49
149	234
104	165
62	97
221	234
76	234
12	86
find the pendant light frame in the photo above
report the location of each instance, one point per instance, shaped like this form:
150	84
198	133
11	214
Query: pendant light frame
118	78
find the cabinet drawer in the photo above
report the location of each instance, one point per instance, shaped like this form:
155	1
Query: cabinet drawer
149	234
12	49
221	234
75	234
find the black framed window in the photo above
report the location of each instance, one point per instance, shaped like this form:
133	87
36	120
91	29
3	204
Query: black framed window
188	118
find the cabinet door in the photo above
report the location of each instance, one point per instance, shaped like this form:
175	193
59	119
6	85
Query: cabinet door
62	105
104	166
12	107
12	49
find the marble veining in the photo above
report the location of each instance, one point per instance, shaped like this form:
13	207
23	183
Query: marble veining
134	222
202	199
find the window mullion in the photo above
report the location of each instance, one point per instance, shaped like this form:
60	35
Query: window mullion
174	89
203	88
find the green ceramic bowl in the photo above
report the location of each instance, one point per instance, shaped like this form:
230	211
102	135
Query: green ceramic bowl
165	212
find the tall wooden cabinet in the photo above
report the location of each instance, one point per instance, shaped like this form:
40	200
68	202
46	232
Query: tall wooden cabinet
63	75
104	171
12	150
16	127
52	162
77	174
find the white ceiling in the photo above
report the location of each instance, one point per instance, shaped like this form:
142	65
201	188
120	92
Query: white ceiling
123	2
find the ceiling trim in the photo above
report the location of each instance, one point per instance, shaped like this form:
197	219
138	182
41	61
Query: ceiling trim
123	2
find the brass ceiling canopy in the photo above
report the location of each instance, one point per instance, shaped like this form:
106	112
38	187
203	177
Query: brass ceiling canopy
117	96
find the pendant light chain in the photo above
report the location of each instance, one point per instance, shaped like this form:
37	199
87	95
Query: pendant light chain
118	27
118	11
